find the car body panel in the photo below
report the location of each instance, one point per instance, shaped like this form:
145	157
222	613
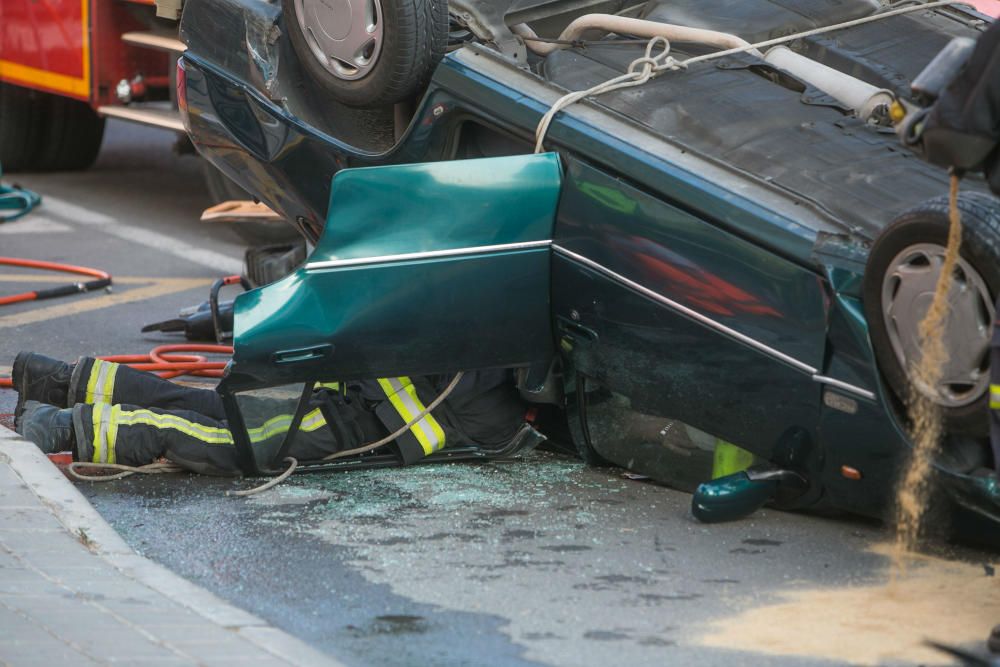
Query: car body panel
422	269
684	289
671	251
474	81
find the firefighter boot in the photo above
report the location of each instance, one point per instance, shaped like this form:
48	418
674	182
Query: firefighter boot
39	378
47	426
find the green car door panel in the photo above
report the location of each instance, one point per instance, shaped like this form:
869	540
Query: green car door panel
660	246
427	268
673	367
688	319
440	206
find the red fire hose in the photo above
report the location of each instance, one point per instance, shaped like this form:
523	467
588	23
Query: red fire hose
102	279
170	361
167	361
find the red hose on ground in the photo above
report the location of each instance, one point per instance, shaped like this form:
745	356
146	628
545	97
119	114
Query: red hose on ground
169	361
101	279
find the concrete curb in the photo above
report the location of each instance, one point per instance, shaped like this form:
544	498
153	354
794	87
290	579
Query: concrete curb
80	519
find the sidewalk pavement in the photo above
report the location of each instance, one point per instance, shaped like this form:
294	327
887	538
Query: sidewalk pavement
72	592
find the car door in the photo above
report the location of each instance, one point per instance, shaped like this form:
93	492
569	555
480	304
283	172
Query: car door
421	268
685	333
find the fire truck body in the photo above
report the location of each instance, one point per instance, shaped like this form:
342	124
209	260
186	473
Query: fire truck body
67	64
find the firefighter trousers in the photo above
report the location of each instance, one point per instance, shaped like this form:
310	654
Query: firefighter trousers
130	417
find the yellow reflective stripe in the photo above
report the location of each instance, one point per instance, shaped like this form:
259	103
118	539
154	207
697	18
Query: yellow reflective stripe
401	409
403	396
95	370
101	383
313	420
95	420
108	386
113	433
995	396
277	425
327	385
427	421
209	434
270	428
100	433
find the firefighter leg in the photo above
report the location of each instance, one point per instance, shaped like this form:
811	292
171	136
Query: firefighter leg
36	377
96	381
135	436
334	423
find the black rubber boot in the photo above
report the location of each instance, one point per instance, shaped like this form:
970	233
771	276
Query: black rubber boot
39	378
47	426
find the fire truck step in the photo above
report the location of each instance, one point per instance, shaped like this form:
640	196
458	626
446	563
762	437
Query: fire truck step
146	114
152	40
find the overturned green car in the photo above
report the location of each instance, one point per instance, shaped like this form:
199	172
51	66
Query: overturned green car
735	253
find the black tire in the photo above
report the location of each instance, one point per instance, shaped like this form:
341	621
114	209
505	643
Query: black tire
254	233
928	223
415	35
44	132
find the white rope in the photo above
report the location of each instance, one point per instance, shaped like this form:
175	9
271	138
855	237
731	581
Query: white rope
403	429
819	31
639	72
292	465
653	66
124	470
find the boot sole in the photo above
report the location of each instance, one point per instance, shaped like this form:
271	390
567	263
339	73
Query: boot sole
17	382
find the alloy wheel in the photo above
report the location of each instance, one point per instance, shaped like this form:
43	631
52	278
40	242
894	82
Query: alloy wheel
907	291
345	36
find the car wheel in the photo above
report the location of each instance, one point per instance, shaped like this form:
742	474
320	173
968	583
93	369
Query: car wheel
368	52
44	132
899	284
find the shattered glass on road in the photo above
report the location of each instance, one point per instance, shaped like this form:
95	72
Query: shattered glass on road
543	561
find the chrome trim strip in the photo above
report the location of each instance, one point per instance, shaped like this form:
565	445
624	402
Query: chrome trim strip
840	384
430	254
721	328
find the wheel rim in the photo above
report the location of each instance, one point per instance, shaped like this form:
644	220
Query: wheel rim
907	292
345	36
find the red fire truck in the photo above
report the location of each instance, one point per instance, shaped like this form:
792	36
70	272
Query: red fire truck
66	65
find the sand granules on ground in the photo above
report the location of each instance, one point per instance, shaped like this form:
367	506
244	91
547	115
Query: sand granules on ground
886	622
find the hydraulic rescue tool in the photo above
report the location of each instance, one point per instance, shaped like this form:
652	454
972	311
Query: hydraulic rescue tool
210	320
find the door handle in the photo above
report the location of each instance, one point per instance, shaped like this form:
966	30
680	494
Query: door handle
302	354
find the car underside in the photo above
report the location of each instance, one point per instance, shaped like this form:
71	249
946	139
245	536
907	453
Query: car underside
709	263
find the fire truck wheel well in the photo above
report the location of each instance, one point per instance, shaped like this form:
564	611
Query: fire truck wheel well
44	132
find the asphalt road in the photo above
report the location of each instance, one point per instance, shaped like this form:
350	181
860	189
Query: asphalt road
538	562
